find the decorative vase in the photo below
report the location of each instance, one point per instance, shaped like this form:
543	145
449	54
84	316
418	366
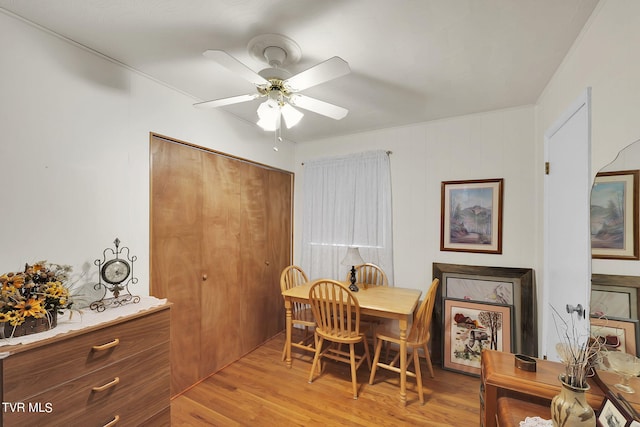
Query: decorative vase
31	325
570	407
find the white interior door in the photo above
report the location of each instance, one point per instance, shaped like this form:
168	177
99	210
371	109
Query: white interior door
567	245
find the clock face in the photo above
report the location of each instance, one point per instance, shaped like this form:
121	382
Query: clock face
115	271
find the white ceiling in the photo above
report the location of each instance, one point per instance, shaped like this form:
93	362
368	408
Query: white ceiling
411	60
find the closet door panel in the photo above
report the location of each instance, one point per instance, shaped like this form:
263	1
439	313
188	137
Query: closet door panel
280	239
176	224
255	263
221	248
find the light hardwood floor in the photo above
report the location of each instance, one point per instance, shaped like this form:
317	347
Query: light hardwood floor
259	390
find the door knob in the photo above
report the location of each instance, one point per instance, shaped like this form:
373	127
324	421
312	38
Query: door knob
266	262
578	309
204	277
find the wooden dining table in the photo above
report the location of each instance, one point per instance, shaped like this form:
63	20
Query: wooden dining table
387	302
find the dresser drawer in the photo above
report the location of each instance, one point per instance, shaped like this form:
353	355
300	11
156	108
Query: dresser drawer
31	372
142	391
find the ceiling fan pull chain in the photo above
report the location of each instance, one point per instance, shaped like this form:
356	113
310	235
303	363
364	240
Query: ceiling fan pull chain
277	135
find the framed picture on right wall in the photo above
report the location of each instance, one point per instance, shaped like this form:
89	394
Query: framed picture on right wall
614	215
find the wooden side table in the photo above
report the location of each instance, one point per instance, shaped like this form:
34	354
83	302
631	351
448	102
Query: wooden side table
500	378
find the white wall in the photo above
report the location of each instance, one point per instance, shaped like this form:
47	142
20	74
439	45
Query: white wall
75	150
496	144
605	58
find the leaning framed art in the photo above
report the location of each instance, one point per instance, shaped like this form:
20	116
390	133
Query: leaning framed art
614	215
470	327
494	285
610	305
613	413
471	216
614	301
617	334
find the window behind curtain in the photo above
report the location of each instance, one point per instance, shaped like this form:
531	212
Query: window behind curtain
346	202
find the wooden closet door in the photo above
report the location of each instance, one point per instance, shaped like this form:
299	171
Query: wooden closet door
221	233
266	235
255	262
221	327
280	240
175	237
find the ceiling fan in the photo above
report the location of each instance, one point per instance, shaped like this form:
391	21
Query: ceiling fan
277	85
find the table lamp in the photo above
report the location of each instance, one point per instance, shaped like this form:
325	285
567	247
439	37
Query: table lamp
353	258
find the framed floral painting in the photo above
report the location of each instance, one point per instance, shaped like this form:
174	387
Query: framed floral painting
471	216
470	327
614	215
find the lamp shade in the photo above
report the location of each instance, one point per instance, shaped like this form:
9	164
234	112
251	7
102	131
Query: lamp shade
291	115
270	112
269	115
352	257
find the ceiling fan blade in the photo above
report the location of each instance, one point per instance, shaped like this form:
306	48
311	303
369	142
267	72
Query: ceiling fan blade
330	69
317	106
226	101
237	67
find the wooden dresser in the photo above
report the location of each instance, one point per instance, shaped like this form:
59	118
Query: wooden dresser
112	374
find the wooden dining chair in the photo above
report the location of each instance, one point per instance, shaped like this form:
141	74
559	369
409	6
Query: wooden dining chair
301	314
337	314
417	339
370	275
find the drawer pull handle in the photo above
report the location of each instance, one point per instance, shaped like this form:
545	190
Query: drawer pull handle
108	385
106	346
113	422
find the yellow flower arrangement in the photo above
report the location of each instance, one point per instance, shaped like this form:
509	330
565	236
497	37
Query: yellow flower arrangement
37	292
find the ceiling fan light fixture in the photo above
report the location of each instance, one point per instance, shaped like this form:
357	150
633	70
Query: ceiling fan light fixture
273	109
291	116
268	110
268	115
268	125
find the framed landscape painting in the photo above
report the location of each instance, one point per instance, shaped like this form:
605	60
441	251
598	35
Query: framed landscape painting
471	216
614	215
470	327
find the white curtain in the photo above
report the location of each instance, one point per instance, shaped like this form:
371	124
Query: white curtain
346	202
